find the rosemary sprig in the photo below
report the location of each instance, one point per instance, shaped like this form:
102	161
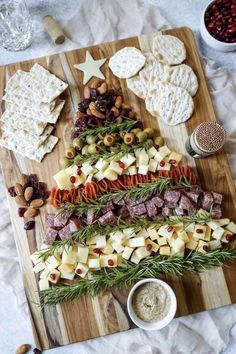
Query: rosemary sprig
127	125
128	273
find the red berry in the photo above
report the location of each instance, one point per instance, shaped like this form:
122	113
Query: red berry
78	271
78	170
21	212
162	163
96	250
122	165
72	179
205	248
172	161
229	237
170	228
149	248
53	276
199	231
110	262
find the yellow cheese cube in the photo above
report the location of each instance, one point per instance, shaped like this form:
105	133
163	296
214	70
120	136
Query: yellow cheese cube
213	224
163	166
231	227
152	166
62	180
132	170
135	259
128	160
178	245
161	240
166	231
199	231
191	245
136	242
94	262
172	239
214	244
43	284
69	276
203	246
155	246
142	233
108	260
207	234
108	249
65	269
116	167
152	232
223	222
164	250
218	233
190	227
227	237
118	247
174	156
127	252
110	174
152	152
142	252
183	235
83	254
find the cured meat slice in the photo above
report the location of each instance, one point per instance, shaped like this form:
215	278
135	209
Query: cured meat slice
107	219
171	198
193	193
108	207
151	209
216	211
124	212
61	219
207	201
179	211
50	236
167	211
158	201
49	219
185	203
132	202
119	202
65	232
74	224
91	217
137	209
217	197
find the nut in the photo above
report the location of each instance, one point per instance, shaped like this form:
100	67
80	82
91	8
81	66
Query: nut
88	112
118	101
80	115
102	89
22	349
115	111
95	83
125	106
30	213
20	199
86	92
132	114
23	179
19	189
37	203
28	193
95	112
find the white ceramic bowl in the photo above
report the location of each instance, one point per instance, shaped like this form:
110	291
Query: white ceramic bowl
210	40
153	325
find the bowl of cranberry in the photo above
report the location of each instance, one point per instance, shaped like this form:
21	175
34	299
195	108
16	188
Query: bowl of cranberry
218	25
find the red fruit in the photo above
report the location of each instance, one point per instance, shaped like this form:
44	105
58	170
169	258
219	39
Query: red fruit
21	212
53	276
170	228
96	250
78	170
162	163
29	225
205	248
122	165
199	231
172	161
78	271
149	248
72	179
12	191
229	237
110	262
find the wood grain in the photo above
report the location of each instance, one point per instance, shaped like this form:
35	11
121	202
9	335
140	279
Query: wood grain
86	317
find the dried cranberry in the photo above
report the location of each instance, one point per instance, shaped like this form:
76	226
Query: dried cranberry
162	163
37	351
93	93
21	212
121	164
72	179
109	116
172	161
101	105
12	191
124	112
29	225
199	231
53	276
33	179
170	228
84	105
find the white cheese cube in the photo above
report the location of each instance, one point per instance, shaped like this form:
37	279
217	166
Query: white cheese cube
178	245
203	246
164	250
116	167
79	179
218	233
213	224
191	245
128	160
101	165
142	158
129	232
127	252
93	262
66	268
83	254
163	166
101	241
117	236
207	234
135	259
132	170
223	222
87	169
190	227
161	240
92	240
35	257
152	166
43	284
39	267
142	252
178	227
166	231
214	244
71	170
174	156
172	239
89	178
152	152
231	227
110	174
199	231
136	242
108	249
44	273
69	276
227	236
164	151
54	276
155	246
152	232
99	176
143	170
117	247
69	257
183	235
52	262
62	180
82	269
108	260
142	233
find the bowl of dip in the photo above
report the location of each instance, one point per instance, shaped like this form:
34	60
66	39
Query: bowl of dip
151	304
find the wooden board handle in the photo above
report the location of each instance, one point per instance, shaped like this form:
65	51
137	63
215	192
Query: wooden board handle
54	30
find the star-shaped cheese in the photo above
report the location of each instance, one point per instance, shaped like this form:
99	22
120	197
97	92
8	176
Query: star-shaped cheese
91	68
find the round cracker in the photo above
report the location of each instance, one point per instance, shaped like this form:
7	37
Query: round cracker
126	62
183	76
172	104
168	49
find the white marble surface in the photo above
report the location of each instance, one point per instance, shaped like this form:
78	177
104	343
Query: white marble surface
15	329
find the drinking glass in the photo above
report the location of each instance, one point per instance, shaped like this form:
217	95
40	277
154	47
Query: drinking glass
15	25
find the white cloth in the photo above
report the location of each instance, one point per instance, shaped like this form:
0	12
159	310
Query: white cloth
204	333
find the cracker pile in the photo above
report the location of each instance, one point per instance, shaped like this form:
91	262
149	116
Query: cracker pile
166	85
32	108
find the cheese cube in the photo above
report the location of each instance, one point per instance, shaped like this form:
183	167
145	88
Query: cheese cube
83	254
110	174
52	262
152	232
152	166
155	246
108	249
43	284
183	235
164	166
152	152
117	247
231	227
99	176
225	236
218	233
62	180
161	240
142	233
89	178
178	227
191	245
142	252
162	153
66	268
87	169
69	276
91	240
71	170
44	273
213	224
82	269
174	156
142	158
172	239
93	262
135	259
39	267
35	257
129	232
178	245
166	231
143	170
101	241
214	244
54	276
199	231
127	252
116	167
108	260
79	179
136	242
207	234
202	247
101	165
119	259
190	227
132	170
128	160
223	222
69	256
164	250
117	236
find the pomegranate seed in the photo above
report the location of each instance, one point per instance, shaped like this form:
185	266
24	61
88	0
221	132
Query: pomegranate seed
205	248
162	163
172	161
53	276
170	228
149	248
122	165
72	179
199	231
78	271
229	237
96	250
21	212
78	170
110	262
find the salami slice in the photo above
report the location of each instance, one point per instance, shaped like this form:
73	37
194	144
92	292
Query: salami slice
61	219
207	201
50	236
49	219
171	198
107	219
137	209
151	209
217	197
65	232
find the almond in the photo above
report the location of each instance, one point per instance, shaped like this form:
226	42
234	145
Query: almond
28	193
86	92
95	112
115	111
19	189
22	349
20	199
88	112
23	179
118	101
132	114
102	89
36	203
125	106
30	213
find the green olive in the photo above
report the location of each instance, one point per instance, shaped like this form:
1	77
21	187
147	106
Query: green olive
114	147
64	162
92	149
150	132
119	120
91	139
102	135
135	130
116	136
109	140
100	144
150	143
78	143
84	151
129	138
70	152
159	141
141	136
122	134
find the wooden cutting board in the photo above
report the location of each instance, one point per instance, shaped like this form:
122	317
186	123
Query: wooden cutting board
86	317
